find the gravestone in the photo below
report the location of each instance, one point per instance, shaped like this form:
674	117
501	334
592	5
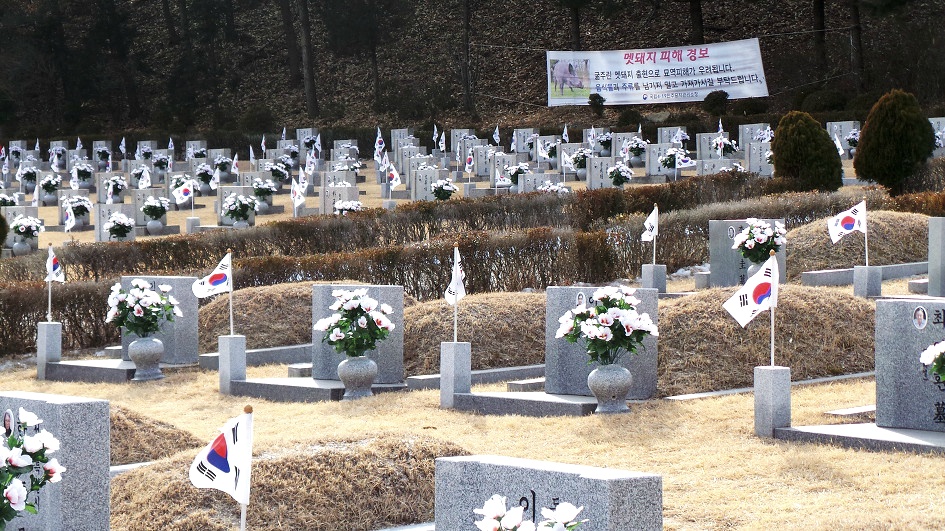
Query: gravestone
389	354
68	192
597	174
936	287
906	395
757	159
406	153
423	184
664	135
746	135
180	335
566	367
586	137
938	126
413	164
339	154
400	134
520	139
727	266
191	145
841	129
81	500
222	193
617	140
531	181
651	158
138	197
704	145
102	213
712	166
569	149
456	136
548	139
11	212
482	156
613	500
499	162
328	195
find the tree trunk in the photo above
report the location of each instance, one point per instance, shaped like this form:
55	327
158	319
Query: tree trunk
820	40
308	69
575	28
697	36
56	40
184	25
856	46
169	21
229	25
291	44
469	104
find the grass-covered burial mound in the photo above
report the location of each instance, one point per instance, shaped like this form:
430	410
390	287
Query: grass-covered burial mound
352	484
894	237
136	438
818	332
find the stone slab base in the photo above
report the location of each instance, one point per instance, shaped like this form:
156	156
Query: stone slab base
264	356
524	386
432	381
529	404
920	286
141	232
92	371
299	389
867	436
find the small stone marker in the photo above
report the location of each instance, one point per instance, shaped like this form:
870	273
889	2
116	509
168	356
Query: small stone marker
455	371
772	399
613	500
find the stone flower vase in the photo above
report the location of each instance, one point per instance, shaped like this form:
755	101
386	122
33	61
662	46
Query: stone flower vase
636	161
240	224
610	385
146	354
752	269
581	173
358	374
21	247
155	227
604	152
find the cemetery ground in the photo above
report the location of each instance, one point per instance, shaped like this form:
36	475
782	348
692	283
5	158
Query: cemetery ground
368	464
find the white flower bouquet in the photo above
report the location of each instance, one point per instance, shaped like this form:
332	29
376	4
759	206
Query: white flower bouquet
119	225
263	189
200	153
756	241
513	172
83	170
155	207
7	200
580	157
103	153
443	189
620	174
118	183
81	205
58	151
669	159
550	187
933	357
724	146
763	135
26	226
853	138
222	163
637	145
141	310
50	183
205	173
358	324
340	184
25	455
605	140
343	207
26	174
278	170
145	152
608	327
238	207
496	516
160	161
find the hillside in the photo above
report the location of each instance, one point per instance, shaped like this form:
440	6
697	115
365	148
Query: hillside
145	72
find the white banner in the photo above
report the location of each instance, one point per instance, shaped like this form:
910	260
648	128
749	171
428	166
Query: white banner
656	75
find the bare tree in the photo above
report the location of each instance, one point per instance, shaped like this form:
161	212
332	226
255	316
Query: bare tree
291	43
308	62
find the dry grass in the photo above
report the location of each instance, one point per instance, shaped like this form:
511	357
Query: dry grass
818	332
354	483
895	238
716	473
504	329
137	439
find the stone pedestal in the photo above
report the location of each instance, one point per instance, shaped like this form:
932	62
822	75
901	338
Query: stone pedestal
772	399
468	189
232	361
867	281
936	257
654	277
389	204
191	225
455	371
48	346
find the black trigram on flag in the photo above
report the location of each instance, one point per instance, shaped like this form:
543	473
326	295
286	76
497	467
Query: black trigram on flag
743	299
202	468
767	272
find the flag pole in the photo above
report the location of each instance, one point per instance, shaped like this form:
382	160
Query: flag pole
229	251
249	411
772	253
49	306
455	304
866	238
654	238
